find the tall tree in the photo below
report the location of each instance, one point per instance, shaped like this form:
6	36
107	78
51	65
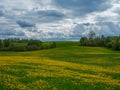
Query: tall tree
6	42
1	43
91	34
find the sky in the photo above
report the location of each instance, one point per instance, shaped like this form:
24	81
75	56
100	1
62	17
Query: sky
58	19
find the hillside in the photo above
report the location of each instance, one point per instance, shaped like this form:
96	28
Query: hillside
67	67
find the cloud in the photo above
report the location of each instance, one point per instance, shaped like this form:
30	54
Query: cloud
50	15
58	19
100	28
82	7
1	13
24	24
43	16
8	33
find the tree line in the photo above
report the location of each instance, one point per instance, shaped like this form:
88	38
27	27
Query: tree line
16	44
112	42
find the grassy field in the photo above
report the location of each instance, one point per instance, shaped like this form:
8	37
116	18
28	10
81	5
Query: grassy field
67	67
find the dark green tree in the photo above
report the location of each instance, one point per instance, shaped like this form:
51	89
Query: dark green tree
6	42
53	45
91	34
1	43
34	42
83	41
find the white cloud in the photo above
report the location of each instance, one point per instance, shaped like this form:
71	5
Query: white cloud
45	19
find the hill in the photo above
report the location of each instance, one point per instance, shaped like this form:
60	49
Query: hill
67	67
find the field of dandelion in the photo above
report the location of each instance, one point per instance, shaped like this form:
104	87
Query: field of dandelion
67	67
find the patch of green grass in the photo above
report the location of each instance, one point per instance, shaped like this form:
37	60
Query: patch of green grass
67	67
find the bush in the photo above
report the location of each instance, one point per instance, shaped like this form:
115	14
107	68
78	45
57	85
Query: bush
53	45
11	47
115	44
4	49
1	44
6	42
109	45
17	44
34	42
32	47
18	48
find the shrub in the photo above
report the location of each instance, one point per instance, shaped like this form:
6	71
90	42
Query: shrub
32	47
6	42
53	45
18	48
34	42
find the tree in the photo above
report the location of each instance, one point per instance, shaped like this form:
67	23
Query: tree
19	48
53	45
34	42
91	35
17	44
1	43
110	42
6	42
34	45
83	41
11	47
116	43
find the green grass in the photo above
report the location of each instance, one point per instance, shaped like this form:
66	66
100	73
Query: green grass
67	67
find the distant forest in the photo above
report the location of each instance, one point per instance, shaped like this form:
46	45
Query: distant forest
112	42
16	44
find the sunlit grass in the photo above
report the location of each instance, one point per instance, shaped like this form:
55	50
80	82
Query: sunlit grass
63	68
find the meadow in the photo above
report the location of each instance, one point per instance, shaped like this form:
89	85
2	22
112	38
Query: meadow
67	67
